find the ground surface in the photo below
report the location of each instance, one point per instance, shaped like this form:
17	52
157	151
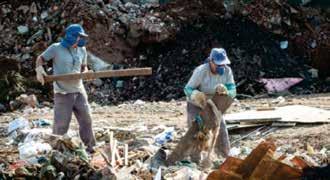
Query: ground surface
152	114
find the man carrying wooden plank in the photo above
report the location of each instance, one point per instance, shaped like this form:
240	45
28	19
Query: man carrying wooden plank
69	56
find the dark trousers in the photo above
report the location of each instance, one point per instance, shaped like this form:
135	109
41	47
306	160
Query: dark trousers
77	103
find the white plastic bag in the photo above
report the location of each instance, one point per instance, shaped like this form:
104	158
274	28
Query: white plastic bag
165	136
18	123
32	149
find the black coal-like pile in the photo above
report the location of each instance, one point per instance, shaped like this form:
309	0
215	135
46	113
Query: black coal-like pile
254	54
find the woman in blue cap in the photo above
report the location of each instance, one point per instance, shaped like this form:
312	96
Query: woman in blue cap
213	76
69	56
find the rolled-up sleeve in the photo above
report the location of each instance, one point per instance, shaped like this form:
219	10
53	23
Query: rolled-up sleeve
49	53
230	83
194	82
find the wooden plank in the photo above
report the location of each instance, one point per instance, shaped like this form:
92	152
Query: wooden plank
273	170
283	124
303	114
258	121
292	114
100	74
242	126
266	109
250	118
264	150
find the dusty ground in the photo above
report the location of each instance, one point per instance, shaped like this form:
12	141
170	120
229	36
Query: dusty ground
152	114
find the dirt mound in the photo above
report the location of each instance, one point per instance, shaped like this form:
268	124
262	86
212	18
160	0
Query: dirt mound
254	53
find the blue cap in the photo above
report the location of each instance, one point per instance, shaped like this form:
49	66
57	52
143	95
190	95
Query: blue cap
75	30
219	56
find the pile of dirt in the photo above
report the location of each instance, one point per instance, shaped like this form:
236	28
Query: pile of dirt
254	53
173	37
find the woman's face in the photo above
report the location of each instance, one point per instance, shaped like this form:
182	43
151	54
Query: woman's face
213	67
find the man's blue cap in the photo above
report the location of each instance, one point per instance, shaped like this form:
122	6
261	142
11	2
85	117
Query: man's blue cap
75	30
219	56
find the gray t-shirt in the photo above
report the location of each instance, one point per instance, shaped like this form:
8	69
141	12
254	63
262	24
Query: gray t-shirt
205	81
66	61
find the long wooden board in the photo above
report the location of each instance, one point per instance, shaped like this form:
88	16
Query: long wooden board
100	74
292	114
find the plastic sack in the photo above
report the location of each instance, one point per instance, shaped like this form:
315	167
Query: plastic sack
165	136
33	149
18	123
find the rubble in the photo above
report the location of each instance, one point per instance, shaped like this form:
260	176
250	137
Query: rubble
164	35
262	163
264	40
305	27
137	137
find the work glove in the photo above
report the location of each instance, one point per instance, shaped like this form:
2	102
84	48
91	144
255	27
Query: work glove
198	98
40	74
201	135
221	89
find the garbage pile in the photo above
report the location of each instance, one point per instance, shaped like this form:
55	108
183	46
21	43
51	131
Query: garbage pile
33	151
136	150
261	49
115	29
173	37
31	26
305	28
264	163
255	54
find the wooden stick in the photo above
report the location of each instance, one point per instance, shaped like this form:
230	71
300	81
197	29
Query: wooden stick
113	153
100	74
118	157
105	158
111	143
125	155
110	138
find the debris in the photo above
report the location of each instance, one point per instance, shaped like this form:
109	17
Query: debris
2	108
23	29
186	173
97	82
18	123
30	150
165	136
278	100
139	102
24	100
158	175
97	63
119	84
44	15
281	84
310	149
314	73
283	124
291	113
257	165
41	123
284	44
234	151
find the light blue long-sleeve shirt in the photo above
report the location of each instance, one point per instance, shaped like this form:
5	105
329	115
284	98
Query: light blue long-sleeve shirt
205	81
